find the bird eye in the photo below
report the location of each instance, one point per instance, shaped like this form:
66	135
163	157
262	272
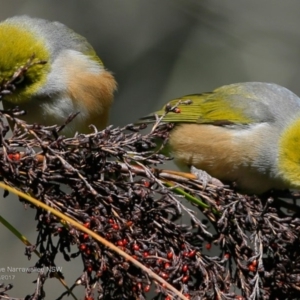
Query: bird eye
19	79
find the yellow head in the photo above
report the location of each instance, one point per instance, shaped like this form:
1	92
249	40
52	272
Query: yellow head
73	79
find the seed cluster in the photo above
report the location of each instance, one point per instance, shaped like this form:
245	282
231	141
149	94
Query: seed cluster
127	206
109	182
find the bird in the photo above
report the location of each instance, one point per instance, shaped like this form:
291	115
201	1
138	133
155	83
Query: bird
247	133
71	79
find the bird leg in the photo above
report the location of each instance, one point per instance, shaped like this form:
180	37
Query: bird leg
205	177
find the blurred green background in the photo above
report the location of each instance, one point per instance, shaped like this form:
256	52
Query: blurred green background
158	50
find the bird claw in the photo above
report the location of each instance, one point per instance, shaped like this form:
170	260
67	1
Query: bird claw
205	177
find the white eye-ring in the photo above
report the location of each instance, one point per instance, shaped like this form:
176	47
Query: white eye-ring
19	79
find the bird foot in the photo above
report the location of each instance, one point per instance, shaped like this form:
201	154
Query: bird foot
205	177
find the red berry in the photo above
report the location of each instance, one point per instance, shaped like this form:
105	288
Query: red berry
254	263
252	268
115	226
164	275
86	225
208	246
129	223
82	247
226	255
147	288
120	243
14	156
136	247
146	184
185	268
192	253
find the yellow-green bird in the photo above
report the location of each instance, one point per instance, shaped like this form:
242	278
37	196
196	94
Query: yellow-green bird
247	133
74	78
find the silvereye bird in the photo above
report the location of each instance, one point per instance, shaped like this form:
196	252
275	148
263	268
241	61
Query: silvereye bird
247	133
73	79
